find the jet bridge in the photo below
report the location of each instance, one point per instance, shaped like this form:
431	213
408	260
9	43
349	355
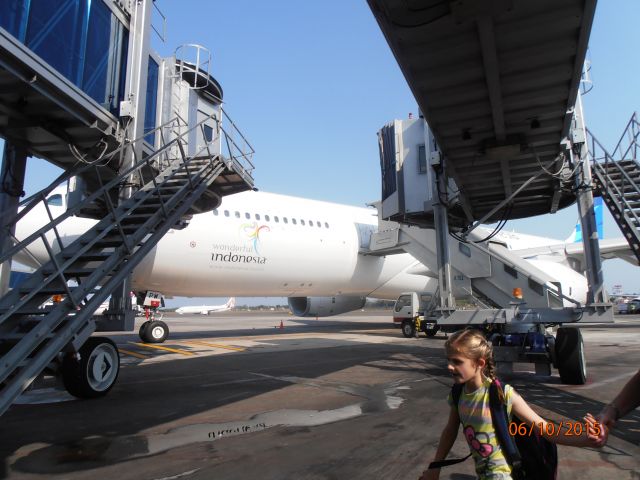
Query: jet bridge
497	82
144	144
503	137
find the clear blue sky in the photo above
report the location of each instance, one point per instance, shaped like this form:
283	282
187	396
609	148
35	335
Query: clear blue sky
310	84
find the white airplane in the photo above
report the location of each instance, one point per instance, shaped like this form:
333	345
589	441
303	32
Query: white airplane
208	309
260	244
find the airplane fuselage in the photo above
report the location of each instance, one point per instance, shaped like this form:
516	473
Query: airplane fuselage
263	244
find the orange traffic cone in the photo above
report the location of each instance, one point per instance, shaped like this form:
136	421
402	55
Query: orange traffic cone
281	325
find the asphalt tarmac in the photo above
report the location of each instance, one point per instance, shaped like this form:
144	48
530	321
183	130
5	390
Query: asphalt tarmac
234	396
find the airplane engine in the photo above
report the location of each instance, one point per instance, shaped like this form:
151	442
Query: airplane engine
324	306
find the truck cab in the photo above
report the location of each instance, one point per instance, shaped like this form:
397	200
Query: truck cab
409	313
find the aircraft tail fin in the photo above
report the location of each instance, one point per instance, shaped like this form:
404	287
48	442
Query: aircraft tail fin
576	235
231	303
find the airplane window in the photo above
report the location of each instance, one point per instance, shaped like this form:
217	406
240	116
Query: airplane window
319	224
266	217
226	213
284	219
301	222
311	223
326	224
237	214
276	219
257	216
215	212
293	220
247	215
55	200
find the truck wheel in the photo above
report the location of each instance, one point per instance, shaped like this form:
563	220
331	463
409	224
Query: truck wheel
431	331
156	332
408	328
570	356
95	372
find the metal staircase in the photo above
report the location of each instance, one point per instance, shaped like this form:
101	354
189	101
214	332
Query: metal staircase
483	272
617	179
86	270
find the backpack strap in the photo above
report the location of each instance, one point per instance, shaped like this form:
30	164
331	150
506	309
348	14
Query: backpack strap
500	421
456	392
446	463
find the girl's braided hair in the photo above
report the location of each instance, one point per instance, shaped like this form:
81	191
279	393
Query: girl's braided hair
472	344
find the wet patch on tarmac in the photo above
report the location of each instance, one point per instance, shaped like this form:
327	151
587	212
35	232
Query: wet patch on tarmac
94	452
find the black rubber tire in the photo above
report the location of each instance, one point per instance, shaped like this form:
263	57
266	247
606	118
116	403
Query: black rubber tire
570	356
431	332
143	328
156	332
408	328
79	376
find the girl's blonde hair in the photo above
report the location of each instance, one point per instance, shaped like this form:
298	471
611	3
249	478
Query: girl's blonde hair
472	344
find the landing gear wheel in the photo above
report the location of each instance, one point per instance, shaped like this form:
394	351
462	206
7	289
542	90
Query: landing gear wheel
408	328
95	373
143	328
431	331
570	356
155	332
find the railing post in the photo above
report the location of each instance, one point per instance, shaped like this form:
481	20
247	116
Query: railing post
14	163
584	187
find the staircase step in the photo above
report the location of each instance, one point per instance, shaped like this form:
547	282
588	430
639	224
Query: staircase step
48	290
89	256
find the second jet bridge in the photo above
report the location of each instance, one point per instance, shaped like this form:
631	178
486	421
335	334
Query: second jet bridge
484	273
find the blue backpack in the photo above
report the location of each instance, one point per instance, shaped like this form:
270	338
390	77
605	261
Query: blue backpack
530	456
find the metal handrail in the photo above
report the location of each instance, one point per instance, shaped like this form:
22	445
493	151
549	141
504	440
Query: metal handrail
94	196
632	134
247	156
603	168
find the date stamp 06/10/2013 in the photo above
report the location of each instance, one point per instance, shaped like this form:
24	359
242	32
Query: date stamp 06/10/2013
550	429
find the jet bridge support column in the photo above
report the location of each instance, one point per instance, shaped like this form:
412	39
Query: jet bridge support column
584	187
14	163
441	224
121	314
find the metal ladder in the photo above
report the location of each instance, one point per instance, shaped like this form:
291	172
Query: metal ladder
617	180
31	337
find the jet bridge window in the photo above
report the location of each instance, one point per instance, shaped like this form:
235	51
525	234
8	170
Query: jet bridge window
536	287
208	133
55	200
511	271
422	159
83	40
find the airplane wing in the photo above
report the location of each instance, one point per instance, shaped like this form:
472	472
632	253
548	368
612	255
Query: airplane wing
609	248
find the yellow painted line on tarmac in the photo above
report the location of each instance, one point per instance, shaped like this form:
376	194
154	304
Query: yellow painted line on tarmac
133	354
166	349
216	345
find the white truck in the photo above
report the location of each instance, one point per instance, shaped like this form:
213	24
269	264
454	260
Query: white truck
409	311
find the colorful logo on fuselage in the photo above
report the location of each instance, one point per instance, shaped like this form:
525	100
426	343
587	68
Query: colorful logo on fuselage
252	231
